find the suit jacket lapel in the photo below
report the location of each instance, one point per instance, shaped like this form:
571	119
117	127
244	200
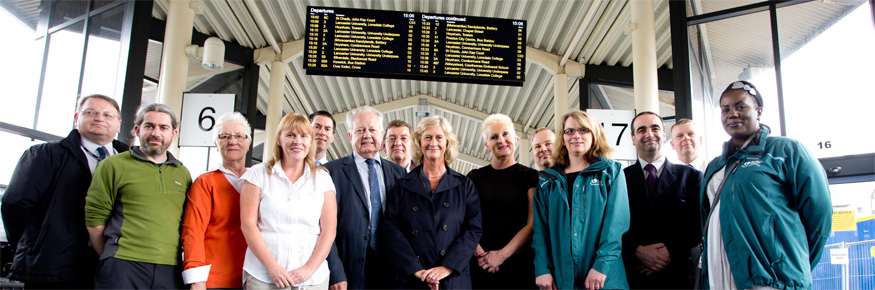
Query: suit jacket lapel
667	177
352	174
636	179
388	178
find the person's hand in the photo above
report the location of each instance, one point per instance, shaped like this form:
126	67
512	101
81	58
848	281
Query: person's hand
654	256
478	251
280	276
199	286
644	270
594	280
433	275
545	282
422	275
491	260
338	286
301	274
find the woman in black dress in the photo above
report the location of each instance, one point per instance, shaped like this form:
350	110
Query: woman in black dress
503	259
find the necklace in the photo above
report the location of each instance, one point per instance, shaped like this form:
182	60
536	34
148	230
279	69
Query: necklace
439	175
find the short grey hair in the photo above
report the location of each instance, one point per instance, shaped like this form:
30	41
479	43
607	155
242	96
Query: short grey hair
496	119
231	117
359	111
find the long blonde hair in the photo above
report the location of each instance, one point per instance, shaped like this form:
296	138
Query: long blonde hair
599	148
293	122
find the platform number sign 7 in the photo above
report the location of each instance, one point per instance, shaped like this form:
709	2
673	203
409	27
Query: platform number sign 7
620	136
616	127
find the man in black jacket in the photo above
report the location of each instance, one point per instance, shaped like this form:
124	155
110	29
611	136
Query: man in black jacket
44	206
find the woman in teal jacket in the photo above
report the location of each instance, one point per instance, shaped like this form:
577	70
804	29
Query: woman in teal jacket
774	212
581	211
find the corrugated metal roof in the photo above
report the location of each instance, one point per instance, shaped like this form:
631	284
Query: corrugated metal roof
553	26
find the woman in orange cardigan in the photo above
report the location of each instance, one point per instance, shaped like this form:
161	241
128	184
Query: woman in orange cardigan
212	240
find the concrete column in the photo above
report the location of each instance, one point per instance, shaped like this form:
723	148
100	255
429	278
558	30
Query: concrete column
274	106
644	56
174	62
525	149
560	95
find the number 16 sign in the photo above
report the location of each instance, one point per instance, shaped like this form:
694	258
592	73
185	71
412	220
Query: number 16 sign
200	112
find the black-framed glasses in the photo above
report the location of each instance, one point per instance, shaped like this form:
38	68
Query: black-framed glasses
570	131
227	137
93	113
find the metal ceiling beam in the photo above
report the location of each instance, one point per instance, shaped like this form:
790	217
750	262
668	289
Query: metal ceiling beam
471	159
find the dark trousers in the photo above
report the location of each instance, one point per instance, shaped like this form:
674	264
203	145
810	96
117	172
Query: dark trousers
115	273
82	284
377	270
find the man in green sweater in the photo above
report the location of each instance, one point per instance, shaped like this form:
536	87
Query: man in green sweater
133	209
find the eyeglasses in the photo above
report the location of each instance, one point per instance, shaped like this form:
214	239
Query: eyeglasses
570	131
227	137
93	114
746	87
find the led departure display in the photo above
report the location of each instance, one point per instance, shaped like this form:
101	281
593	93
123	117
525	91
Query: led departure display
411	45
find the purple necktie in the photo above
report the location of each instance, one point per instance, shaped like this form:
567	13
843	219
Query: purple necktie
651	179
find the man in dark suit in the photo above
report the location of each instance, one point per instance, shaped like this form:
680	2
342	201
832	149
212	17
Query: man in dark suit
361	181
44	205
662	203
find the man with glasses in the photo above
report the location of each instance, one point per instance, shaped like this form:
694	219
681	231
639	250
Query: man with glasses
397	144
362	181
43	205
323	127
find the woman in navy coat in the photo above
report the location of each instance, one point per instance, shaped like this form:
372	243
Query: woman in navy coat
432	219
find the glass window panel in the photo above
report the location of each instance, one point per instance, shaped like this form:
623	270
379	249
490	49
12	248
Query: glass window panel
20	77
708	6
827	72
97	4
13	146
725	51
102	53
63	11
61	81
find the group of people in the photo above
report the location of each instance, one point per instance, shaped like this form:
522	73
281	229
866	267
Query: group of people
760	212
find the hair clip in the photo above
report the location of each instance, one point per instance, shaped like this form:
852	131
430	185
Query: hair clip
743	86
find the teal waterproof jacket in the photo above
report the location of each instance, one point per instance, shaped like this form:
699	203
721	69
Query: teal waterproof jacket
571	238
775	212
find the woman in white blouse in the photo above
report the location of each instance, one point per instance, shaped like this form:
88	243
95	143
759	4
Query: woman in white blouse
289	214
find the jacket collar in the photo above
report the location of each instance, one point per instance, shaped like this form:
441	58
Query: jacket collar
598	165
756	146
412	182
136	152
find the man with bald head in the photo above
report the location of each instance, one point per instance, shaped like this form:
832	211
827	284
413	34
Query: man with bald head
687	142
542	147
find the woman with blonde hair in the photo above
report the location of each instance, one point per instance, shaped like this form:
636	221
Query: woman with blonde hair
432	216
581	211
288	213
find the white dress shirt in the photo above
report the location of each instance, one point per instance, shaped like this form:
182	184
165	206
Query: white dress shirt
288	219
90	150
362	167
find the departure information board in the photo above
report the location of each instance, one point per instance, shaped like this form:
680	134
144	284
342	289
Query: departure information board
412	45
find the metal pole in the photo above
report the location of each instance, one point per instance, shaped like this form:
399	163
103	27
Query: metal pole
644	56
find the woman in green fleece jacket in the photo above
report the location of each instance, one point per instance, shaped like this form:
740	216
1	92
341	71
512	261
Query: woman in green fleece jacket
581	211
773	213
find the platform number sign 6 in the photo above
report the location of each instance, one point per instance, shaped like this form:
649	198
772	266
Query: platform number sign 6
204	119
200	115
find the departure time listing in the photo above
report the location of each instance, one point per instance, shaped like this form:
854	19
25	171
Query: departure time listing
414	45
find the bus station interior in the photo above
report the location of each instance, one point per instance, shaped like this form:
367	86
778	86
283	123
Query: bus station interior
812	60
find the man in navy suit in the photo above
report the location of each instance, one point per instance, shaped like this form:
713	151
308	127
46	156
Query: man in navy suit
662	203
361	180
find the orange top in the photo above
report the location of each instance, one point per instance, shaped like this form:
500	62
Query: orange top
211	232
